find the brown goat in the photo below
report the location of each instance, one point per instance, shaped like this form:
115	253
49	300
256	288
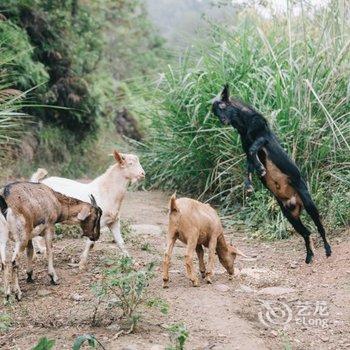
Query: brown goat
32	209
197	225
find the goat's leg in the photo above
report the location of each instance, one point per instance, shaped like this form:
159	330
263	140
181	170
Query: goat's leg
248	181
166	260
84	256
49	252
115	228
200	254
301	229
311	209
39	245
253	153
30	254
15	271
211	260
191	246
6	269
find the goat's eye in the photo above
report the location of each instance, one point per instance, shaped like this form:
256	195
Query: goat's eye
222	105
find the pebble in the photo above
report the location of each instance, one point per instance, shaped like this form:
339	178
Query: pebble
276	290
113	327
43	292
293	265
245	289
222	287
76	297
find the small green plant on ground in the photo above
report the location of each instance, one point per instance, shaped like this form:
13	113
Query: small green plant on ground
47	344
159	303
44	344
124	287
126	229
5	322
90	339
178	335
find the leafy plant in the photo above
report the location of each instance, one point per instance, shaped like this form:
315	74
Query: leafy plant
44	344
5	322
90	339
124	287
159	303
178	335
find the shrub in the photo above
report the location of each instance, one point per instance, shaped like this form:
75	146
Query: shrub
178	335
124	287
295	71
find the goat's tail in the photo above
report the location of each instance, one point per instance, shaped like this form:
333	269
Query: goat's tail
39	175
173	206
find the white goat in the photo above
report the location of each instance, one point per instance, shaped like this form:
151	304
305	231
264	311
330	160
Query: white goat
108	189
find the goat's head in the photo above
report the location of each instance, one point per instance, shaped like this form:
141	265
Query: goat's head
231	111
227	259
89	218
130	166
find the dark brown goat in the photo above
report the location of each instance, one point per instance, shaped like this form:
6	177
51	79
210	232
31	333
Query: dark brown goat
32	209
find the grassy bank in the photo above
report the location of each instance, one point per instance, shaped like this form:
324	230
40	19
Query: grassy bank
295	70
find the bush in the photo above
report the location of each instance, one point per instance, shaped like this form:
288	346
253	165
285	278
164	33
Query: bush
124	287
298	80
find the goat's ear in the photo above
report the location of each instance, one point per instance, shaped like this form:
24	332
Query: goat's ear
225	94
84	213
118	157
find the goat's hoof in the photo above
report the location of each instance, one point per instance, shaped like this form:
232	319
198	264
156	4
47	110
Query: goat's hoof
308	259
165	284
195	283
54	280
203	274
328	250
30	277
18	296
208	280
262	172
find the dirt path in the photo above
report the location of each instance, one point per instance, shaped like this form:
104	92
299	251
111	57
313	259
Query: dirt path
305	306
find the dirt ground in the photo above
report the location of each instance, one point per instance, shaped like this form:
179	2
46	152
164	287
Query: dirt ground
274	302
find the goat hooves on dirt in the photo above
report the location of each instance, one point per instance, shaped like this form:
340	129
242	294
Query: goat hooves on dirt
308	259
53	280
30	277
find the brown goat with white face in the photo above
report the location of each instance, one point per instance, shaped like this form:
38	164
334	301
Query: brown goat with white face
32	209
197	225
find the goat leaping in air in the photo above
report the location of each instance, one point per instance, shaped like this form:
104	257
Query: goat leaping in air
275	168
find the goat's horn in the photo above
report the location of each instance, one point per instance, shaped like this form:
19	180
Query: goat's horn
93	201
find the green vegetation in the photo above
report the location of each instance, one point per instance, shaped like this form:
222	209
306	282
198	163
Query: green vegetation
295	70
178	335
123	287
44	344
69	58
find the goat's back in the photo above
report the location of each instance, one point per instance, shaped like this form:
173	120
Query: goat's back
70	188
193	215
33	200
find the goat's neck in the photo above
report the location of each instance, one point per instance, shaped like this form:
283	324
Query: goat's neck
112	185
70	208
221	245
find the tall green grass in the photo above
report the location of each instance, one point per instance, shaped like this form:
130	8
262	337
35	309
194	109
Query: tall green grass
295	70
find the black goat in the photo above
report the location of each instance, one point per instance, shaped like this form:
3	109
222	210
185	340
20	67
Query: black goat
277	171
